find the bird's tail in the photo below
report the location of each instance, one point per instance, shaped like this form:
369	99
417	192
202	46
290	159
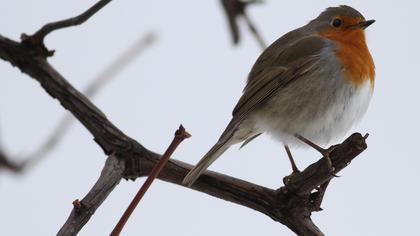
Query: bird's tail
218	149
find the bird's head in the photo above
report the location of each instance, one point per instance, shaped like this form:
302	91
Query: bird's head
342	23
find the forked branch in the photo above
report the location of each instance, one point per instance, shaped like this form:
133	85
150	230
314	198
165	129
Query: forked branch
36	41
39	36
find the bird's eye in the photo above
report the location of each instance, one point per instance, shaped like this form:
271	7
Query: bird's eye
337	22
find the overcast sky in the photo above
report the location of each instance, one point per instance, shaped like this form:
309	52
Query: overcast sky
194	76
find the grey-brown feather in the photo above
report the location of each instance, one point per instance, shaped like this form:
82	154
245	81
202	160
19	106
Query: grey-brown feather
218	149
289	65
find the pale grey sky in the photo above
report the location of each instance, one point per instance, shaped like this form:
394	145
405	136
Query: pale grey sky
194	76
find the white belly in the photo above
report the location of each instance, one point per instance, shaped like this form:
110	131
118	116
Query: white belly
340	117
322	121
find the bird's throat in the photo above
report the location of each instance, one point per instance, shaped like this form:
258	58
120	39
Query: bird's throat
352	51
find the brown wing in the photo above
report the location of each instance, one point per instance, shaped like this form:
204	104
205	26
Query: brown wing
294	61
265	86
269	57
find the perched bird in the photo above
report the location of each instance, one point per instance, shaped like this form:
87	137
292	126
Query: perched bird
309	86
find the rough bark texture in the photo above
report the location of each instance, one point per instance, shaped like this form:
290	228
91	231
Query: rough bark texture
290	205
83	210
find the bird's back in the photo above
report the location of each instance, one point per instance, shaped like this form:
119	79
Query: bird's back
271	55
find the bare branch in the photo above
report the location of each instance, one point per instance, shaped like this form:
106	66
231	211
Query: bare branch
8	164
38	37
106	134
235	9
282	205
180	135
35	42
110	176
254	31
98	83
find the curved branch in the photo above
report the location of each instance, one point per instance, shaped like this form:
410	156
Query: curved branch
8	164
289	205
38	37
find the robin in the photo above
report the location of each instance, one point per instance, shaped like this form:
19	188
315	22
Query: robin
309	86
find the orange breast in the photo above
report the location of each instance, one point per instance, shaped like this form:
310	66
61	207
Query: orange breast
354	55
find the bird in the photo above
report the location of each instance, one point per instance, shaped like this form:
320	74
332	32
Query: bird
309	87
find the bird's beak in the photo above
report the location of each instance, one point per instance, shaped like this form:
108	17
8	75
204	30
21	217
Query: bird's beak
364	24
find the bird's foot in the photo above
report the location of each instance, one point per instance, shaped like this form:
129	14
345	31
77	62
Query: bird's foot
325	152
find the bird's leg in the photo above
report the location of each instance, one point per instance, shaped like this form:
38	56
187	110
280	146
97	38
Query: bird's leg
325	152
287	179
292	161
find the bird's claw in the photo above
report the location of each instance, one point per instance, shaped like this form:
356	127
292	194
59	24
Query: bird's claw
326	154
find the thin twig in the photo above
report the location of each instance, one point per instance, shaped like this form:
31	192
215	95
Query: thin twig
38	37
235	9
7	163
254	31
180	135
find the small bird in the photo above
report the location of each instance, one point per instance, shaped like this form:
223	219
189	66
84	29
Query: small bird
309	86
